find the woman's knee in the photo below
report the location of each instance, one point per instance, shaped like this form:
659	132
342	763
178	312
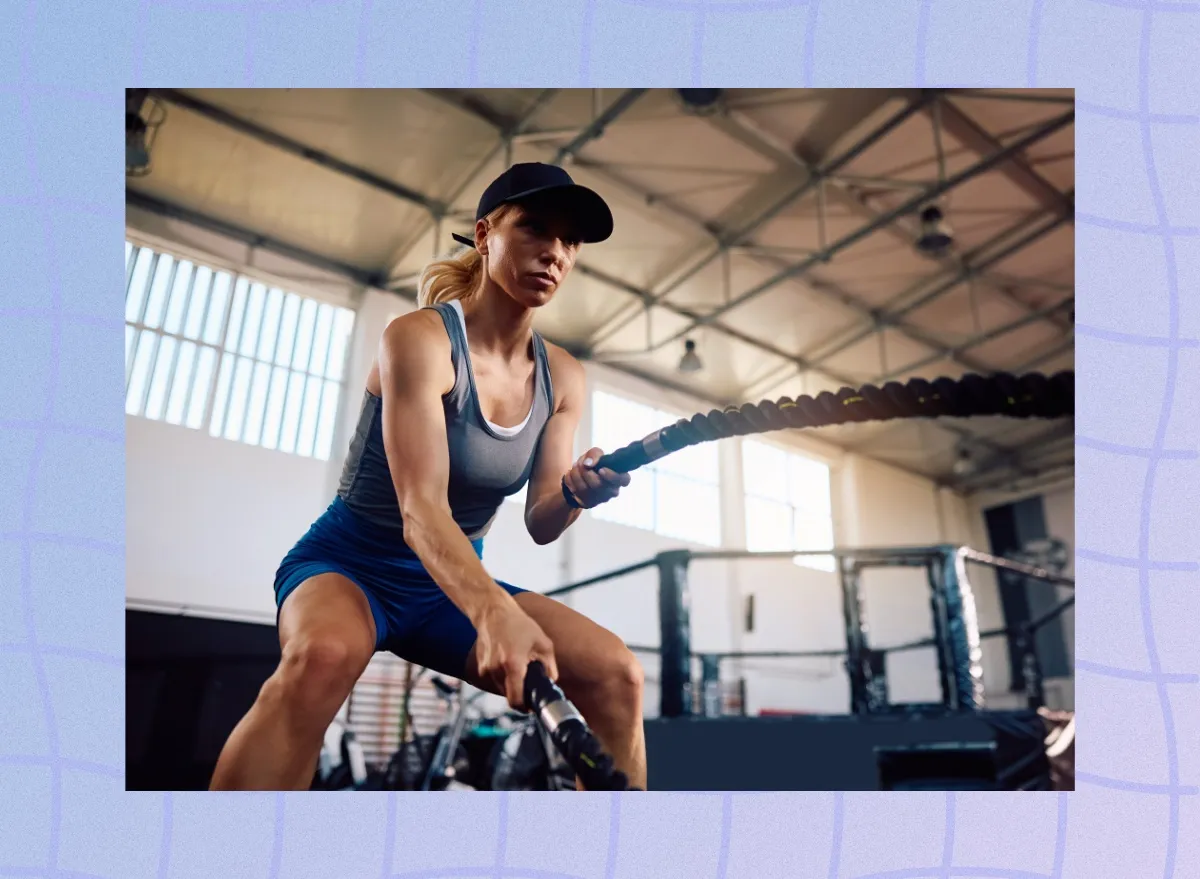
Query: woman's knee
617	684
316	671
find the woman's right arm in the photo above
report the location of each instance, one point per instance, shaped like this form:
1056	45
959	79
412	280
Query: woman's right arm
415	371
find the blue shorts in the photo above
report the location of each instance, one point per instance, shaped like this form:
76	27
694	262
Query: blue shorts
413	617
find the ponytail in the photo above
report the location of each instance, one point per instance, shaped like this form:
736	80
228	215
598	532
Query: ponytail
456	277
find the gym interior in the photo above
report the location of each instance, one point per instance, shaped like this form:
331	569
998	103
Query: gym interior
881	604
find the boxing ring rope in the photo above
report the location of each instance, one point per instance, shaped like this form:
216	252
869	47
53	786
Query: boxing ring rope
956	637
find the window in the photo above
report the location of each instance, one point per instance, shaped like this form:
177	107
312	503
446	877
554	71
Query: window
788	503
207	349
677	495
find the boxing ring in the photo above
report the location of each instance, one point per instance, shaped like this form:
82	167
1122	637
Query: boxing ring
954	742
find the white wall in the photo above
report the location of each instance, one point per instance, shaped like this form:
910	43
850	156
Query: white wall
208	521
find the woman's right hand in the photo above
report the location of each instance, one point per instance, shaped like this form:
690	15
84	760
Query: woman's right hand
507	641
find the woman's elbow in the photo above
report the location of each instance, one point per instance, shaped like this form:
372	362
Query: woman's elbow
539	532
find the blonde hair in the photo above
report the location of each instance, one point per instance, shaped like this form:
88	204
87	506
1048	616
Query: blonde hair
456	277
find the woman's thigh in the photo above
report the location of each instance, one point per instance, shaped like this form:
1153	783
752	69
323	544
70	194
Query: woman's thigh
586	652
329	609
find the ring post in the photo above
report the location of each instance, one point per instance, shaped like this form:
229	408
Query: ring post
960	640
675	633
856	634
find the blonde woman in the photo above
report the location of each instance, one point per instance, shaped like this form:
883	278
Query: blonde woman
465	405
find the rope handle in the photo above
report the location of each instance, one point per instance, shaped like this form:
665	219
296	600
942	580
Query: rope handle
1032	395
570	733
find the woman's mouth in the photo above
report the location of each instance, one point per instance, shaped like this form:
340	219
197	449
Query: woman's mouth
542	280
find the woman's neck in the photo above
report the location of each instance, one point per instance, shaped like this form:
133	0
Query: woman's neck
497	324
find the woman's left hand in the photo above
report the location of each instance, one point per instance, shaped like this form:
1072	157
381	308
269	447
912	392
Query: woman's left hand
593	487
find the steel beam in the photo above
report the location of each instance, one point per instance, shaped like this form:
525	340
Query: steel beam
885	218
978	340
162	208
732	237
892	317
596	127
972	135
648	299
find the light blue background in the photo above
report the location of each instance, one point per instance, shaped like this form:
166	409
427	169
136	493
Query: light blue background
63	812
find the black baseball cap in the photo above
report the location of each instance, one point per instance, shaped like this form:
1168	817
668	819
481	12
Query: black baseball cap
528	179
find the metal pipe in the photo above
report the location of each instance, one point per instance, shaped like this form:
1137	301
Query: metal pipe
853	238
918	552
596	127
966	271
978	340
608	575
991	561
162	208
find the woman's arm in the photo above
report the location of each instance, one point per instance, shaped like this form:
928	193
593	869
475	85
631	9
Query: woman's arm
415	371
547	514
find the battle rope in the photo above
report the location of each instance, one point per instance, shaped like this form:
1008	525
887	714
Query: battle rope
1032	395
570	733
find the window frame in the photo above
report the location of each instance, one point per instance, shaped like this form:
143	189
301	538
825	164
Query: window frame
822	563
655	469
342	323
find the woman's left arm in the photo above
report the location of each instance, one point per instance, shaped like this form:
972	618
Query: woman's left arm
547	513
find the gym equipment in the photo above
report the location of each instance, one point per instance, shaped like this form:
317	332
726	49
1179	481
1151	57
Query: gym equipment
570	733
1032	395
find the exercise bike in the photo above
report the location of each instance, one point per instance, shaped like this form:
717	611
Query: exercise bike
545	750
439	761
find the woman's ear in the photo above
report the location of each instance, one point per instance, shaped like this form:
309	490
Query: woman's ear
481	231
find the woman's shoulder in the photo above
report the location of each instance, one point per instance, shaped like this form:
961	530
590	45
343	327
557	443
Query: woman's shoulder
566	372
423	327
417	344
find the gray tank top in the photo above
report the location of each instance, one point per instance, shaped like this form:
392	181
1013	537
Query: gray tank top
487	463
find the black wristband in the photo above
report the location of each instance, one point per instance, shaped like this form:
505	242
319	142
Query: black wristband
569	497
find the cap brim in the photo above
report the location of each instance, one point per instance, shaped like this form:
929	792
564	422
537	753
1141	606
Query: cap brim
595	218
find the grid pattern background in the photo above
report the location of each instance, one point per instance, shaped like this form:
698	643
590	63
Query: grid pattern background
252	363
1136	811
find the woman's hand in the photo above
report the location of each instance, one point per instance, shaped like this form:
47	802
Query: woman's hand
592	487
508	640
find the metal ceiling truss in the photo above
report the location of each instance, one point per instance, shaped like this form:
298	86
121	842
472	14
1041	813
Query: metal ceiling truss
799	268
725	239
847	190
888	316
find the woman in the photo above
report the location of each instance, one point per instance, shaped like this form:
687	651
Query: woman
464	405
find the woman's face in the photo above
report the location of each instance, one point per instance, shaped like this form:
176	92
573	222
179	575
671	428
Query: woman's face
530	250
